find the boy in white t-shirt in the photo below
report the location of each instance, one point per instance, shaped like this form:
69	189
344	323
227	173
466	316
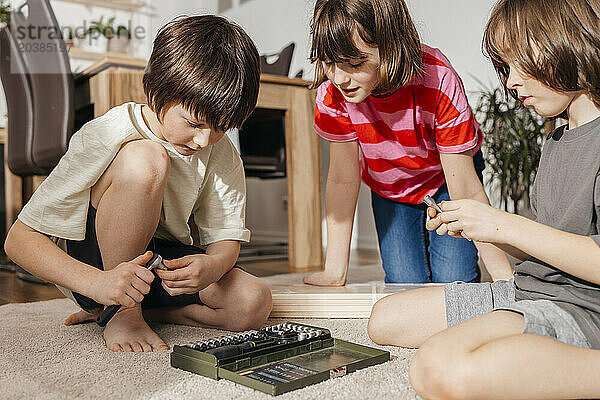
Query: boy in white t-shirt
131	181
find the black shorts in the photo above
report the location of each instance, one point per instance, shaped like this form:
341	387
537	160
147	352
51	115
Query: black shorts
88	251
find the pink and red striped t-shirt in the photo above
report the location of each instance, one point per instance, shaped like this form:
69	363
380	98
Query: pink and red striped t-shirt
401	135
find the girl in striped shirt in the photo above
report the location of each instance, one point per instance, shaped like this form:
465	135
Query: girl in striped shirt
397	117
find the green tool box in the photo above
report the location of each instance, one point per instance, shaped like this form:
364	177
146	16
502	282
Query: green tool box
277	359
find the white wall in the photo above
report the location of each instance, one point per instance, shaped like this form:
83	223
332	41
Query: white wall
456	27
164	11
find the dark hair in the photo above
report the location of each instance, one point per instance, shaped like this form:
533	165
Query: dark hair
208	65
557	42
382	23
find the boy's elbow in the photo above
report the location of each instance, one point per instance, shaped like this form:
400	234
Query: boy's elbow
11	244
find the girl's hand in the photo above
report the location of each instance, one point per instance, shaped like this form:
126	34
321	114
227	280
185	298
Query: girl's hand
469	219
324	278
188	274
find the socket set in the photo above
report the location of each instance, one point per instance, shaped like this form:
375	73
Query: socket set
272	338
276	359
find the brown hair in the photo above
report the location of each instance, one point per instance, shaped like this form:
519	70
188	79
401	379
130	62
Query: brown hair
382	23
557	42
208	65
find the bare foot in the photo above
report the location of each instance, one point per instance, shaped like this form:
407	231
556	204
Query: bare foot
322	279
80	317
127	331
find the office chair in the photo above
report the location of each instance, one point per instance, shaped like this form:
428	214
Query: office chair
19	102
40	98
282	62
51	82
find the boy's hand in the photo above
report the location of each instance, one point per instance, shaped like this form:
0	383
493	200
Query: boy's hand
188	274
126	284
469	219
434	222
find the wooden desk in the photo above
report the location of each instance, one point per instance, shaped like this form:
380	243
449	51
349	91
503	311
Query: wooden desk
112	83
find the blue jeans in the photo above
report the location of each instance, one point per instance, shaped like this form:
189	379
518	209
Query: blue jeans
412	254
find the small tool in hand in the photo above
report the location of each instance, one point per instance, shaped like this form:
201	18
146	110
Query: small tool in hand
431	203
110	311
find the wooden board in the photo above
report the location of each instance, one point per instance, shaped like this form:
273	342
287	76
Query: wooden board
351	301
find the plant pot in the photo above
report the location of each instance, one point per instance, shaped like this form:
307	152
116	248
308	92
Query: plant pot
119	44
97	44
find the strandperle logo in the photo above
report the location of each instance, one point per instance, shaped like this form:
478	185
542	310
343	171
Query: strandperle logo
83	31
35	41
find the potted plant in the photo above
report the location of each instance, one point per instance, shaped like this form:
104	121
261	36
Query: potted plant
94	38
5	12
513	138
104	36
118	36
120	39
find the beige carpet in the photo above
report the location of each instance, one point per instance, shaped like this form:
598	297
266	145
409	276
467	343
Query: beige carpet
42	358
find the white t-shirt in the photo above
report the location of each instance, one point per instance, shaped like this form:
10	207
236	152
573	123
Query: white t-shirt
209	185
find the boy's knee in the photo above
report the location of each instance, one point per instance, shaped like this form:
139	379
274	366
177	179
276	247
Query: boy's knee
436	371
254	306
378	327
389	322
142	162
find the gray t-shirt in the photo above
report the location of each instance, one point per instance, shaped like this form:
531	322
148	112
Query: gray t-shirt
566	196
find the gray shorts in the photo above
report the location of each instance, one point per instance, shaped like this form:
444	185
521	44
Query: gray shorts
542	317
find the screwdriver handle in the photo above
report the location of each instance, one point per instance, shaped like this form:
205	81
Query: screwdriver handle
110	311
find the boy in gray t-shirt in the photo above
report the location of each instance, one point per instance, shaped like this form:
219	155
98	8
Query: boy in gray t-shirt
531	336
132	180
